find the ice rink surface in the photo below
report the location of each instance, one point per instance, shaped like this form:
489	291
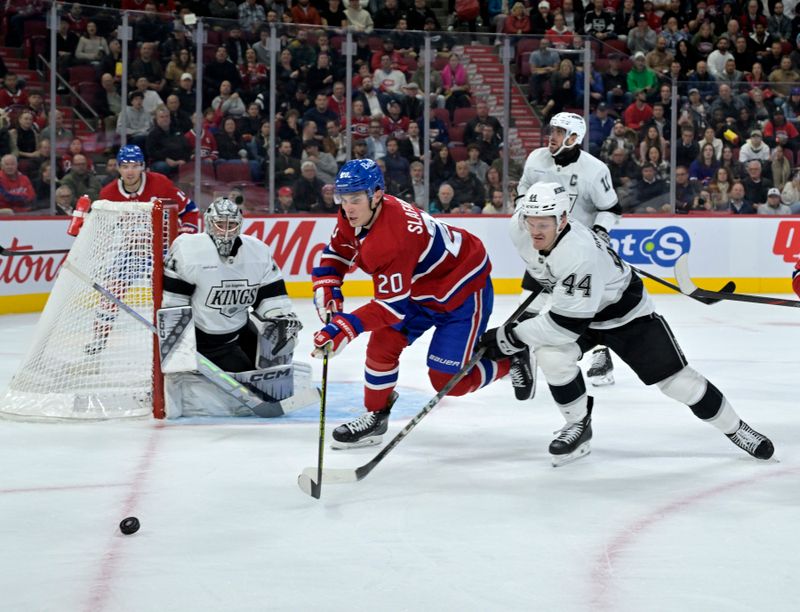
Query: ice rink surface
665	514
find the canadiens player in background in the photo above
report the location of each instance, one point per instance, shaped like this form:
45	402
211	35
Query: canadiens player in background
596	297
426	274
592	197
135	184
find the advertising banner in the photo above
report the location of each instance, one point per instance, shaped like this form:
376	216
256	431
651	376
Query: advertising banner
757	252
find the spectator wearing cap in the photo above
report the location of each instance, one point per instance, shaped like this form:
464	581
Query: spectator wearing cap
542	18
774	206
599	22
615	84
543	62
137	121
186	92
324	162
413	102
755	184
394	123
778	131
285	204
642	38
754	148
641	77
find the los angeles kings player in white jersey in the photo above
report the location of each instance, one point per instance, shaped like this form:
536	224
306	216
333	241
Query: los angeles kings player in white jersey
242	314
592	197
597	297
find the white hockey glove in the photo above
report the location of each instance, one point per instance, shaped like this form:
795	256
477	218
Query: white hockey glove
501	342
602	233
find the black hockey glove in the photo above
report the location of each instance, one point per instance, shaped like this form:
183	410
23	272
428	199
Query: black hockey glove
602	233
501	342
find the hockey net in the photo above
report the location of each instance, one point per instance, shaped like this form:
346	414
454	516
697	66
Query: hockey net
88	359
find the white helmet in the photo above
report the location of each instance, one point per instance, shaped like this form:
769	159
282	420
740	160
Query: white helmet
571	124
223	221
544	200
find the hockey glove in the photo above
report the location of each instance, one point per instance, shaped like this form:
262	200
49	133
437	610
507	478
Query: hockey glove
501	342
332	338
602	233
328	296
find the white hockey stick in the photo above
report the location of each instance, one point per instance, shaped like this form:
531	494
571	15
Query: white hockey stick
213	373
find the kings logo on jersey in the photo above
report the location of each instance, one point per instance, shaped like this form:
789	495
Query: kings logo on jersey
231	296
661	247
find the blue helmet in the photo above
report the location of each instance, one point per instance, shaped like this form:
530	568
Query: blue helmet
130	154
358	175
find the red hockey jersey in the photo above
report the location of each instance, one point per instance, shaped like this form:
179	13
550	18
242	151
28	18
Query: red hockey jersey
410	256
156	186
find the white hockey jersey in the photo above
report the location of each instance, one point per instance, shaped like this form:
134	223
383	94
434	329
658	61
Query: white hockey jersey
587	181
589	284
221	291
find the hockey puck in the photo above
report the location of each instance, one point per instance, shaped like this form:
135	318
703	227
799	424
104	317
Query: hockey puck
129	525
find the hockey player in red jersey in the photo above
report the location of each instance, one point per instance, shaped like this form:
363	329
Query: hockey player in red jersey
796	278
137	185
425	274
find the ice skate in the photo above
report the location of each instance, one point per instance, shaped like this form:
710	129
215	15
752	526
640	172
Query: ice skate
601	372
523	375
573	440
748	439
366	430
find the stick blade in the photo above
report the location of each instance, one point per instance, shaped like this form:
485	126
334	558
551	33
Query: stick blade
682	275
331	475
309	486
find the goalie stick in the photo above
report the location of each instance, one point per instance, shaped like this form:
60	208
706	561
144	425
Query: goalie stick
688	287
338	476
8	252
213	373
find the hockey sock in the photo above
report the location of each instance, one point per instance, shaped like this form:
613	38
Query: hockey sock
380	381
571	398
485	372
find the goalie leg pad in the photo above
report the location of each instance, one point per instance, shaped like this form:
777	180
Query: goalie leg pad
272	384
176	339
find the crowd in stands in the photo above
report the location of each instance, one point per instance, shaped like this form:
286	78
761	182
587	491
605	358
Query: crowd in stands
735	65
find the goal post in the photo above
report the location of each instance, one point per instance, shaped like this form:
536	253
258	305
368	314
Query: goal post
87	359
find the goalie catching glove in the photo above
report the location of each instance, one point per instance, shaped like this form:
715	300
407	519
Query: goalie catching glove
501	342
332	338
328	296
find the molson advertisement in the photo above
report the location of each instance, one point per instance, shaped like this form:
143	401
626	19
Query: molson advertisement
758	253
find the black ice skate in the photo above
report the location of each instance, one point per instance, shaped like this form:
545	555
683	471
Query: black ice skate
601	371
748	439
366	430
523	375
573	439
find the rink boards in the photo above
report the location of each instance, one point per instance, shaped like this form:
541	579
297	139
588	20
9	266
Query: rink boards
757	252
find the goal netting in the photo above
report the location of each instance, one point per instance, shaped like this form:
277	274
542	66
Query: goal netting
88	359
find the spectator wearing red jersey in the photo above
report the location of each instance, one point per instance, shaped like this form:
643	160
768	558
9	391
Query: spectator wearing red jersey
638	113
11	94
16	191
304	13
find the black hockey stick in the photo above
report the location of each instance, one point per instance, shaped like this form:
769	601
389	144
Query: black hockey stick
209	370
339	476
8	252
688	287
306	483
729	287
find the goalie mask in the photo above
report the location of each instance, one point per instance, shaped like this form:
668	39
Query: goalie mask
223	221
